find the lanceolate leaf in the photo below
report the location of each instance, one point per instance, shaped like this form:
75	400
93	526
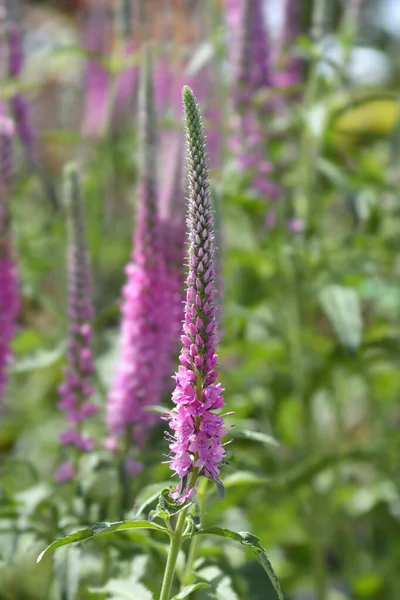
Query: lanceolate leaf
100	529
244	478
189	589
342	307
248	539
255	436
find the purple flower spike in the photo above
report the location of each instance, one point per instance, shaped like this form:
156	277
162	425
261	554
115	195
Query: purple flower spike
253	60
172	219
196	447
127	81
138	379
252	77
19	104
9	288
96	83
76	390
289	68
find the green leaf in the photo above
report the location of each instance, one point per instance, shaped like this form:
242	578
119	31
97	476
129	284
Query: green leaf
147	496
342	307
333	172
247	539
220	489
39	360
189	589
100	529
373	97
255	436
169	506
225	591
201	56
244	478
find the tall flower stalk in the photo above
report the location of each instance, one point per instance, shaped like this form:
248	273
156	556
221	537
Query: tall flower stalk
96	77
172	220
19	104
196	447
9	288
76	389
138	378
251	78
125	85
288	70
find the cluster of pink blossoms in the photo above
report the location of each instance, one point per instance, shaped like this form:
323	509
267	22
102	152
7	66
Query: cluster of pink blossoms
76	389
96	79
173	230
143	327
19	104
252	76
196	446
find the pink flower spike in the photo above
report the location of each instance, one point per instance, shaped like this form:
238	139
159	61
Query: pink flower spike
196	447
139	376
76	389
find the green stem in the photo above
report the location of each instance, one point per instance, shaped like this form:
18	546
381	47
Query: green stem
106	564
305	194
176	542
297	354
187	576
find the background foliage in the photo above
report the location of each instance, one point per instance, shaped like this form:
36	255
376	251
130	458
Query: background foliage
309	354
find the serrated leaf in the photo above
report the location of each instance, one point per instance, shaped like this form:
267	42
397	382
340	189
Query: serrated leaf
248	539
166	507
342	307
189	589
100	529
255	436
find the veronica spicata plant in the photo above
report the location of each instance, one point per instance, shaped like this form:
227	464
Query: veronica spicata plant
19	104
138	378
251	78
76	390
196	448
